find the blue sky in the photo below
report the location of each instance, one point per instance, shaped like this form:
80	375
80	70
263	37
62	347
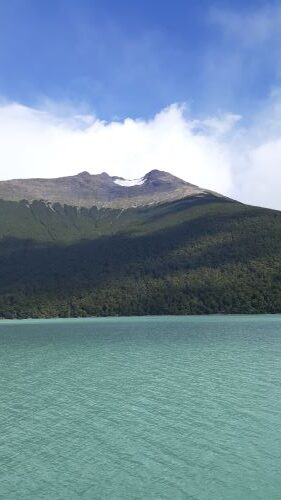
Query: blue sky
188	86
121	58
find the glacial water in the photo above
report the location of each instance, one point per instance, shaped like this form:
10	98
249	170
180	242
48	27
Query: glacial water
141	408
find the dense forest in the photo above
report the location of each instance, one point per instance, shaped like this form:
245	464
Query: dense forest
208	256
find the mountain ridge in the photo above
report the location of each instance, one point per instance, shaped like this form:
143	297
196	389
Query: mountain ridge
102	190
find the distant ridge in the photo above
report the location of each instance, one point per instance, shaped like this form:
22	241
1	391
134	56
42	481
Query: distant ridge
102	190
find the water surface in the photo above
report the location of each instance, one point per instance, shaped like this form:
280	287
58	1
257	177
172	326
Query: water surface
141	408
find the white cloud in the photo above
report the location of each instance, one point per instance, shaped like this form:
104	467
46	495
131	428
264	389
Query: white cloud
217	152
40	144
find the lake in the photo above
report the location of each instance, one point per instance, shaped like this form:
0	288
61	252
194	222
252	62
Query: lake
141	408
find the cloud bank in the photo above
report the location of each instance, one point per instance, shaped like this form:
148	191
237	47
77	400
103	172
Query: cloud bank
218	152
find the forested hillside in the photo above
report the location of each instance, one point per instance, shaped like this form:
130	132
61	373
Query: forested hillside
193	256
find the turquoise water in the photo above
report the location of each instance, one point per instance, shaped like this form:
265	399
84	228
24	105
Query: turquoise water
141	408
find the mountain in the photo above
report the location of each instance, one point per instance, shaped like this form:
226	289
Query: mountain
86	190
100	245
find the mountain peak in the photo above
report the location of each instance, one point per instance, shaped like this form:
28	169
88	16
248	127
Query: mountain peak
155	173
162	176
83	174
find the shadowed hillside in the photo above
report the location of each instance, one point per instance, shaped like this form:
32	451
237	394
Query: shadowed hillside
193	256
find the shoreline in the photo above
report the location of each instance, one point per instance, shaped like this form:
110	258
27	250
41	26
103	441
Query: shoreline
158	317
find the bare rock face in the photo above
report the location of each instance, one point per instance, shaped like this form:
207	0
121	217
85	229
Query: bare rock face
102	190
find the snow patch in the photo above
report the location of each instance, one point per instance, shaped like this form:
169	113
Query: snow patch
129	182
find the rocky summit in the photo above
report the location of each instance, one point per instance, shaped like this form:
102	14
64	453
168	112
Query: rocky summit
102	190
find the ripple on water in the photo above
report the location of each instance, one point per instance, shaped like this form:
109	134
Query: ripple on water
141	408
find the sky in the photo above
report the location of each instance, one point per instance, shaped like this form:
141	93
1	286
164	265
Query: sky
192	87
